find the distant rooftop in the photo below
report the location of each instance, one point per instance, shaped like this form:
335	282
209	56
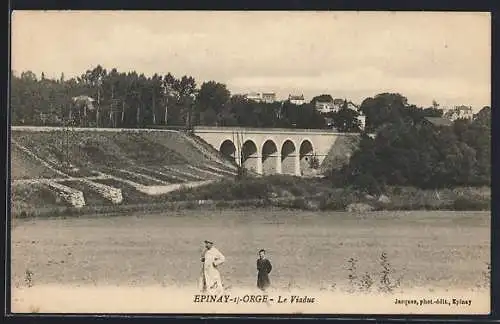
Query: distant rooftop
439	121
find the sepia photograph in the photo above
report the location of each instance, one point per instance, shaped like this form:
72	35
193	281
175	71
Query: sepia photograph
250	162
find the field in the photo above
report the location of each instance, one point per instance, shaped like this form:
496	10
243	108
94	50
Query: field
427	251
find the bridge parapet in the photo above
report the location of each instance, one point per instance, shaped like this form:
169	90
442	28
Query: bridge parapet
250	130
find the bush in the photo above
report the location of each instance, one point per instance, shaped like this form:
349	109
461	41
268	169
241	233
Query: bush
466	204
314	162
339	200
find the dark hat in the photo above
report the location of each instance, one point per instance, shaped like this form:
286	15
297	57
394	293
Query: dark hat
210	242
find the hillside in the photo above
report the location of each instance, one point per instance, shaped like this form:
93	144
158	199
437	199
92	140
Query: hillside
56	167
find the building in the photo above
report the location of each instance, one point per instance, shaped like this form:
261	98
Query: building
254	96
324	107
437	121
268	97
362	121
352	106
296	100
459	112
337	104
334	106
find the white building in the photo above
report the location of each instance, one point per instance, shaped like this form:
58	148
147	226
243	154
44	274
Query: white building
267	97
324	107
255	96
459	112
337	104
334	106
296	100
362	120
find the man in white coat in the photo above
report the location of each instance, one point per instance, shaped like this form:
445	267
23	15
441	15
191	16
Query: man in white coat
210	281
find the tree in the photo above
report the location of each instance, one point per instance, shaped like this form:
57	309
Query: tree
92	79
346	120
157	94
322	98
210	102
383	108
28	76
421	154
185	89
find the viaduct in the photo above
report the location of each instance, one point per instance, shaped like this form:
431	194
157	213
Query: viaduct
271	150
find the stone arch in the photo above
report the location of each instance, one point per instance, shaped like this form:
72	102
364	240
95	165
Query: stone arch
306	152
228	149
288	154
270	157
250	155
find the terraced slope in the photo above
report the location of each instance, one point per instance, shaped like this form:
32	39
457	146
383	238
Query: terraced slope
146	164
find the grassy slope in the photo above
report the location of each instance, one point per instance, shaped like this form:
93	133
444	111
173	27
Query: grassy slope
96	150
24	166
100	151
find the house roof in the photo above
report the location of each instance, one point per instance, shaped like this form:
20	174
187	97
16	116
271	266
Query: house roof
439	121
292	97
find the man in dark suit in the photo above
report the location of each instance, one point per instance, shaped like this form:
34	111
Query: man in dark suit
264	267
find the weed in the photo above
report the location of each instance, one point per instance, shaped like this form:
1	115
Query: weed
366	282
486	275
352	276
387	282
28	278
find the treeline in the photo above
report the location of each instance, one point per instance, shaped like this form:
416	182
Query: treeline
132	100
408	150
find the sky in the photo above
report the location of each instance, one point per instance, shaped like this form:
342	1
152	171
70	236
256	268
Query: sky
443	56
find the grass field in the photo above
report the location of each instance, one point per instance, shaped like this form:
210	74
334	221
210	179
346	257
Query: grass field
428	251
446	249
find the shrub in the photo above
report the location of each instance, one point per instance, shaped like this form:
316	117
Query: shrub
314	162
464	204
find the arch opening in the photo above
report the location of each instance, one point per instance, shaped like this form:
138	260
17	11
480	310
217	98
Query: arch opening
308	161
249	156
288	153
270	158
228	149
